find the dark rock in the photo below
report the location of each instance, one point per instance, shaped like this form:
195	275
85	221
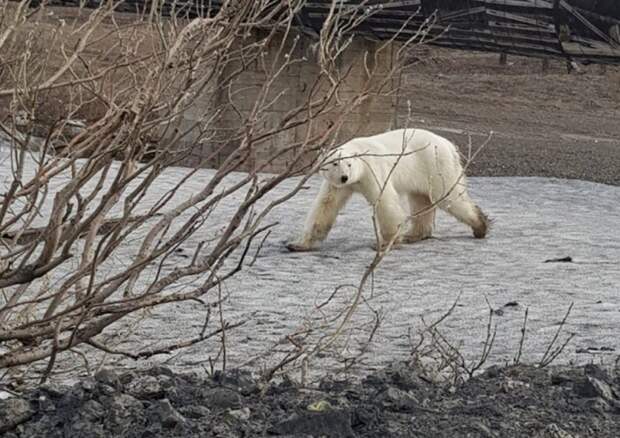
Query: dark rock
124	412
88	384
128	377
160	371
336	424
563	375
242	414
109	378
566	259
330	385
45	403
161	411
561	378
397	400
195	411
54	390
482	410
72	399
14	411
596	372
297	435
241	380
491	372
365	416
85	428
398	374
146	388
404	377
285	386
92	410
222	398
590	387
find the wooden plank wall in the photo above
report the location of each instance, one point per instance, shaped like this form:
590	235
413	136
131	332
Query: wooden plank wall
586	31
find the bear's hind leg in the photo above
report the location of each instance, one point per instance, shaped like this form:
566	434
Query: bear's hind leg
423	216
463	208
322	216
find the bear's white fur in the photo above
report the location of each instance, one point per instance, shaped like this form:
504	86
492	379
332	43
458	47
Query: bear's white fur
413	163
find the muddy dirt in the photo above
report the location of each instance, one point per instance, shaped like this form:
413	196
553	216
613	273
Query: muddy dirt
544	124
394	402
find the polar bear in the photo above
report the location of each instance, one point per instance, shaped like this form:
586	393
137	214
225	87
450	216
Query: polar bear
413	163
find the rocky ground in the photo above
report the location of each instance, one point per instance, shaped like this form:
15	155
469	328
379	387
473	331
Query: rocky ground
544	123
395	402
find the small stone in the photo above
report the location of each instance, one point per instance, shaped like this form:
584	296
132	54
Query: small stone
88	384
331	424
81	428
45	404
160	371
162	411
397	400
92	410
590	387
596	372
223	398
241	380
242	414
566	259
54	390
72	399
560	378
491	372
122	410
404	377
484	430
109	378
510	385
146	388
195	411
553	431
14	411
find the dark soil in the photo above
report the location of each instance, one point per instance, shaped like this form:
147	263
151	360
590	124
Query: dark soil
553	124
507	402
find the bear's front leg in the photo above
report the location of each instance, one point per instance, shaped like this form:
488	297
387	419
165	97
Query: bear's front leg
322	217
389	218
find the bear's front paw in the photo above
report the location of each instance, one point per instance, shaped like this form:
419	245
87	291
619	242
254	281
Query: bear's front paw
381	247
298	247
416	238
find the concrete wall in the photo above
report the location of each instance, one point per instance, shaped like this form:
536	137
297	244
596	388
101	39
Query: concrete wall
374	115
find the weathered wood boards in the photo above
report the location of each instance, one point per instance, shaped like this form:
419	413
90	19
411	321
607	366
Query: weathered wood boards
581	30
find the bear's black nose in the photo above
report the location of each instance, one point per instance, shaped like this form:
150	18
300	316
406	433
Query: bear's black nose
344	178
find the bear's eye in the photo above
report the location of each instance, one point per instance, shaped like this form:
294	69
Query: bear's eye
349	164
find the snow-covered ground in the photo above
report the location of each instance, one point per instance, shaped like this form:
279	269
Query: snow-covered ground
535	219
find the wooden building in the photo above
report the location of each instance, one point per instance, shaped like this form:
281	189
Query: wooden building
587	31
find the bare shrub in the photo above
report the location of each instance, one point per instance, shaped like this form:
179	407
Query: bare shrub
77	192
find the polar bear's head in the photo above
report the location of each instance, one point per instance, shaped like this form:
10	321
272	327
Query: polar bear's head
342	167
